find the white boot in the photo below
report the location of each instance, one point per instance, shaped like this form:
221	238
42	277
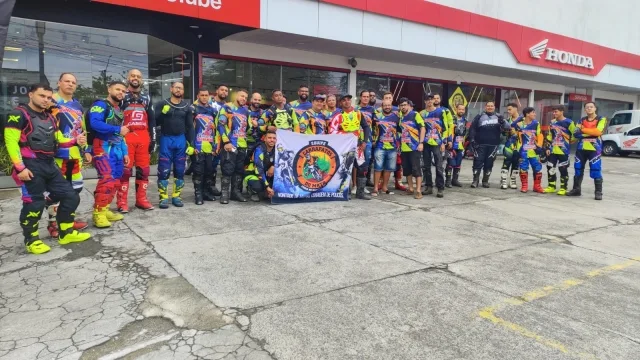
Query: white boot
514	176
504	173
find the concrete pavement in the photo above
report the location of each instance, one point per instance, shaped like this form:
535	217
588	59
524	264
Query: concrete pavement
479	274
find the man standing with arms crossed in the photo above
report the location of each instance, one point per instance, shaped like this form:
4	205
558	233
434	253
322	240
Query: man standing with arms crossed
351	121
141	142
412	135
558	148
484	138
69	117
588	131
205	146
254	135
31	137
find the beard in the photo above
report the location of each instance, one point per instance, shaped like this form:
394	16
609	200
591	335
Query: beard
134	85
222	97
115	99
304	97
177	96
256	105
372	102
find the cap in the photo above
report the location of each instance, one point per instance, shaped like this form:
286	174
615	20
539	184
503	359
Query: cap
322	97
346	96
428	96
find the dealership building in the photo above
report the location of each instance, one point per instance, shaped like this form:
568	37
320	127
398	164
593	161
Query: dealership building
534	53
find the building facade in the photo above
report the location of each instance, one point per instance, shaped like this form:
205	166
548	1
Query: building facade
469	51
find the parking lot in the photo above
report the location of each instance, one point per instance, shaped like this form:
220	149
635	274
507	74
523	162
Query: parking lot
479	274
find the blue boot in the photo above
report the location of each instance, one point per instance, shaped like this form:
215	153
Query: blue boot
164	204
177	202
164	196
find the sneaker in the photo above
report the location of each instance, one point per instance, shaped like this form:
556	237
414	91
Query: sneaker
37	247
73	237
353	190
366	191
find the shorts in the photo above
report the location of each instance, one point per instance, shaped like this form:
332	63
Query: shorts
385	159
411	163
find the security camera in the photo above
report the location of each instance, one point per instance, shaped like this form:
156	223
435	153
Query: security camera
353	62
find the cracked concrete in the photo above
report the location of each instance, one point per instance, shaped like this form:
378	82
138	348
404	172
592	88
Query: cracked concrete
308	281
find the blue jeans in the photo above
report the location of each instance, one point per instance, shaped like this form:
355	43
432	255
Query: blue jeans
385	159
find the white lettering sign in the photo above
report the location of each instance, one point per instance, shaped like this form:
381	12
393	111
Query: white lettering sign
215	4
560	56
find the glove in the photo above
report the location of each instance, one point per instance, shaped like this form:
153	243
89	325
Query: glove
152	147
190	150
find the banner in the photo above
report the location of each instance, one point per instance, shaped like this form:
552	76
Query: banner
313	167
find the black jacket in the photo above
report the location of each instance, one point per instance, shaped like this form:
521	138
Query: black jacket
486	129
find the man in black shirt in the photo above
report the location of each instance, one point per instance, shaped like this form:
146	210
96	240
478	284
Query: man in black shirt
484	137
174	116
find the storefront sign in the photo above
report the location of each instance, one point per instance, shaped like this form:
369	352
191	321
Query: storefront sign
563	57
573	55
313	167
579	97
238	12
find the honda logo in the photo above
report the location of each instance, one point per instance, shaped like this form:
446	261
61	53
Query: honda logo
560	56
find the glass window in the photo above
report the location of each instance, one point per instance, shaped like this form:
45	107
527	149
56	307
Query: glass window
542	102
634	132
518	97
608	107
263	78
292	78
377	83
328	82
235	74
39	51
621	119
478	96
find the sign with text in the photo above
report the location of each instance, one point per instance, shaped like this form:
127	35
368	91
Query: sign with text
529	46
238	12
313	167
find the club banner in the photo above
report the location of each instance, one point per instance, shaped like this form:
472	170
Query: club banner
313	167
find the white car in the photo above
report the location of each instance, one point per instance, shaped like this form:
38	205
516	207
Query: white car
621	143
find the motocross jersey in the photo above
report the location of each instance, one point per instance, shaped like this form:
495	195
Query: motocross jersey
254	133
206	134
459	133
512	137
300	107
436	127
317	122
233	125
588	133
138	113
367	111
559	136
70	120
387	129
529	137
105	121
409	127
352	122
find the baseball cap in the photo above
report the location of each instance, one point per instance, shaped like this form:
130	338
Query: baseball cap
345	96
322	97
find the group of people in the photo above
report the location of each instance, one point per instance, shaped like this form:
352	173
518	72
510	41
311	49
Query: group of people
50	138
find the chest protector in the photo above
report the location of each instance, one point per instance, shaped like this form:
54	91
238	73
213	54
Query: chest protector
350	122
42	138
282	119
